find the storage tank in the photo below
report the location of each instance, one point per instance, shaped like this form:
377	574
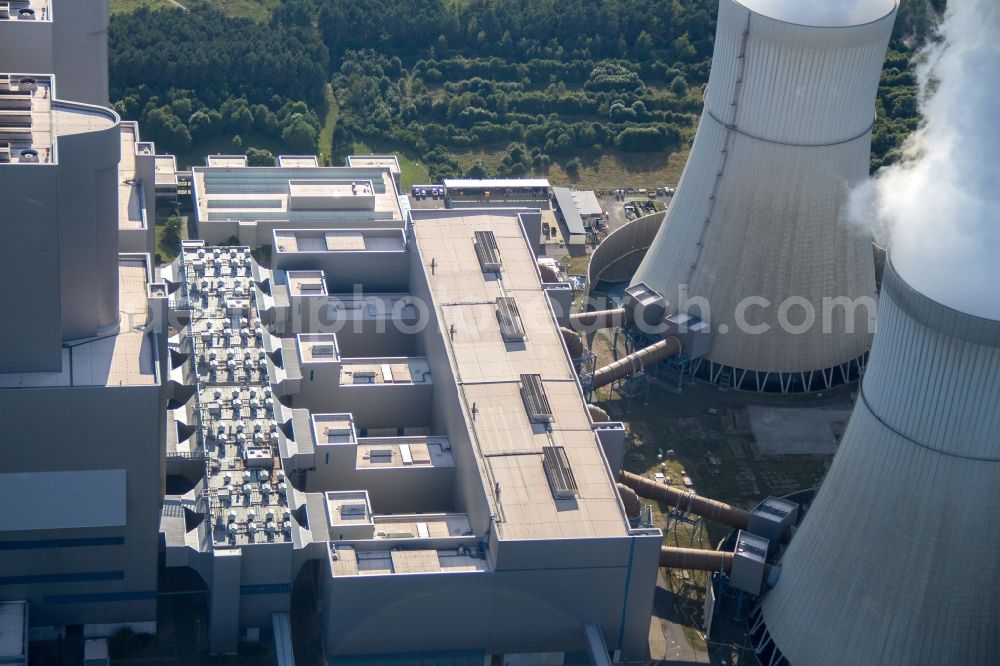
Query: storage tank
785	132
896	561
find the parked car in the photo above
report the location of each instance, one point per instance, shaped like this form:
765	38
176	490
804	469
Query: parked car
437	191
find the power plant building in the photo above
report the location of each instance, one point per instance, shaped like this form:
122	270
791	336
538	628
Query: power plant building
81	365
65	38
785	132
235	201
442	476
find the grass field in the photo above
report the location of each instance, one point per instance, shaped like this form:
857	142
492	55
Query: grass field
126	6
258	10
600	170
329	124
414	173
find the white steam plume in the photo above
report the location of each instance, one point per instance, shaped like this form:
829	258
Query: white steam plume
940	206
826	13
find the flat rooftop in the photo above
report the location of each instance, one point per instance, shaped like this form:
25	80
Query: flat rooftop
130	213
298	161
413	370
125	359
422	526
235	408
318	348
509	438
338	240
165	170
346	561
26	10
297	194
350	507
383	452
226	161
390	162
31	120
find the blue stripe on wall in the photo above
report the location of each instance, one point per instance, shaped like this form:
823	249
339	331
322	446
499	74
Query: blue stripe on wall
98	597
83	576
276	588
61	543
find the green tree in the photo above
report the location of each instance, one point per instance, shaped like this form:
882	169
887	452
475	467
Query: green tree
259	157
478	170
299	136
679	86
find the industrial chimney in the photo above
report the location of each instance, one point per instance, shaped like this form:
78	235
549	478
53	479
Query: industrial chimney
785	133
896	560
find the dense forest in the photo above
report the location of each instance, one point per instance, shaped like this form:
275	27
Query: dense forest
538	80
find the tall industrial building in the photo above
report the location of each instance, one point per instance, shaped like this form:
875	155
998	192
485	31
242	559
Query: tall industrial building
386	422
895	562
785	132
66	38
81	354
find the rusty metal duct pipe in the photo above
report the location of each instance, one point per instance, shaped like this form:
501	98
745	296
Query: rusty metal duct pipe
631	501
710	509
597	415
574	345
695	559
598	319
548	275
633	363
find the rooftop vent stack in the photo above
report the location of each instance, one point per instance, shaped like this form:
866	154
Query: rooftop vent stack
895	562
785	130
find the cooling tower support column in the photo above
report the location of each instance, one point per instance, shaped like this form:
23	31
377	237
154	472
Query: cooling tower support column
896	560
754	239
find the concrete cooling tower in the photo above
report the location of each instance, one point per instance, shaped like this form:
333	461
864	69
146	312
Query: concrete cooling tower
896	560
785	132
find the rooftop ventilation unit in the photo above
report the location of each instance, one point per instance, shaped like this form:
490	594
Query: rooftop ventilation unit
487	251
4	152
358	509
535	400
557	470
511	326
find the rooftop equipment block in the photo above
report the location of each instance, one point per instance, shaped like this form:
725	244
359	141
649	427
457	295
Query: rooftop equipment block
558	471
331	195
350	515
488	252
511	326
749	560
772	519
646	305
535	401
695	335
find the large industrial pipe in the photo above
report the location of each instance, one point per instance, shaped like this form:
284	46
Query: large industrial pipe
574	345
597	415
633	363
710	509
631	501
695	559
598	319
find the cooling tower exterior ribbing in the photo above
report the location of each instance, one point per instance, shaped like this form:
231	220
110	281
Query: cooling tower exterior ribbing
785	132
896	561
